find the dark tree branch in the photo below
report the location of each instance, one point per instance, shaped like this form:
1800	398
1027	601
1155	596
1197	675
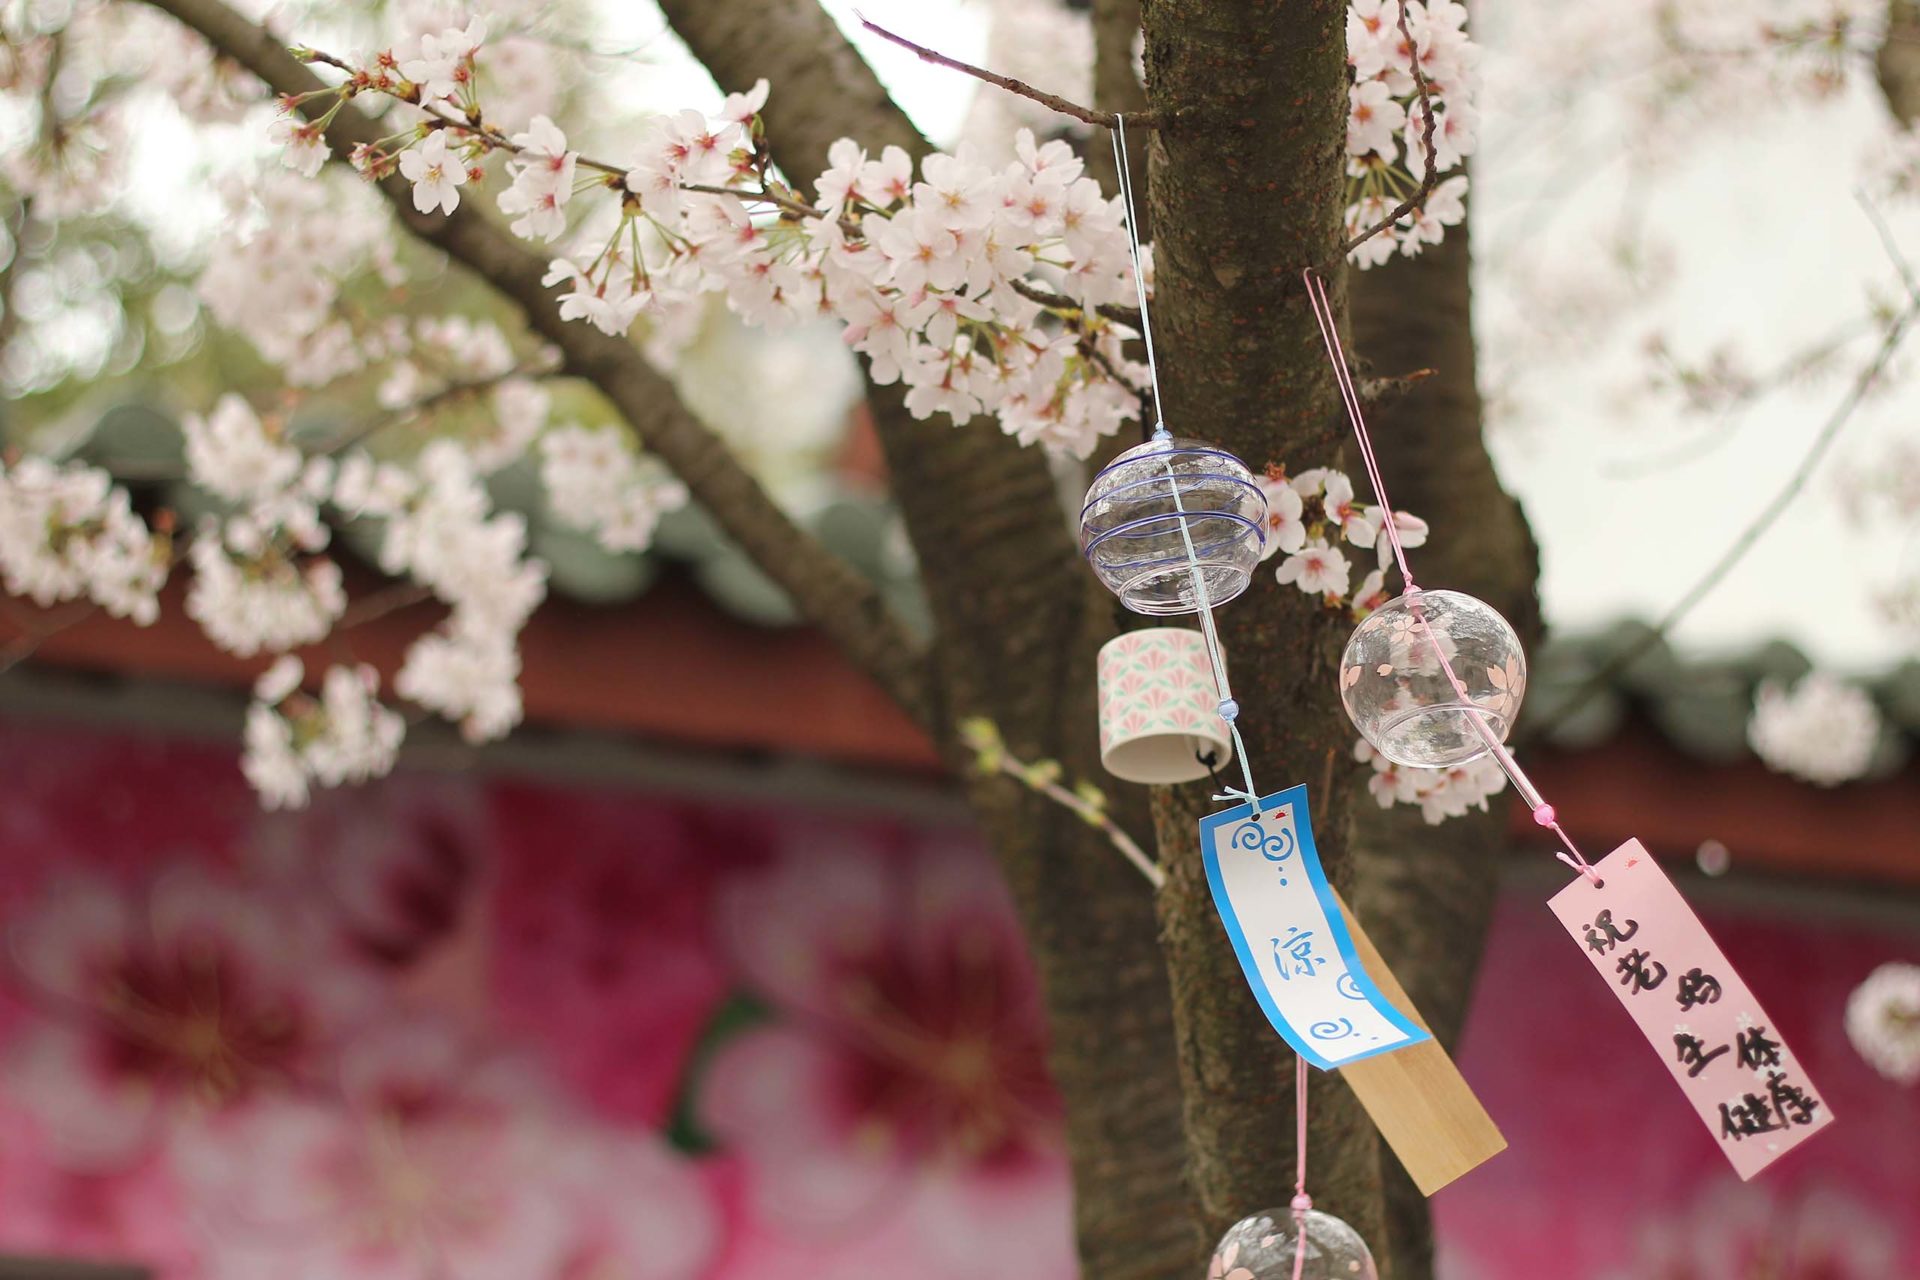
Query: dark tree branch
828	591
1052	101
1432	176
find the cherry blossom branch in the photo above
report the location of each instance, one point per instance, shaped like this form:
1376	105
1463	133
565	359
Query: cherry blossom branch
471	123
1053	101
1431	178
1043	778
830	593
1129	316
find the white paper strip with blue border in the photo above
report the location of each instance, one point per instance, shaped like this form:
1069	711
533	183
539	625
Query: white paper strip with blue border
1286	928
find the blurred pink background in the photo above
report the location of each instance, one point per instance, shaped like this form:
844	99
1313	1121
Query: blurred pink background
452	1028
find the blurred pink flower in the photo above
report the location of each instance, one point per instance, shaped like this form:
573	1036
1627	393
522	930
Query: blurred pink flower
393	866
187	995
1741	1231
440	1161
131	1213
601	942
905	1087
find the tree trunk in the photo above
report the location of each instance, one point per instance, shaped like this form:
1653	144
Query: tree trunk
1247	191
1018	621
1427	892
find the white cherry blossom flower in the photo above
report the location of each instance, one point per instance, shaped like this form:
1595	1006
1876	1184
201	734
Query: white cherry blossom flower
1285	530
435	172
597	484
69	531
741	108
304	145
1411	528
230	453
1822	731
1355	521
1883	1021
467	673
1318	569
1373	120
249	595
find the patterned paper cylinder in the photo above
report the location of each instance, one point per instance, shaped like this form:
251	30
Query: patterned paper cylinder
1159	710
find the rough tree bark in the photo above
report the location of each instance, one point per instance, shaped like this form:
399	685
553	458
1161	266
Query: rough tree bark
1427	892
1017	623
1246	192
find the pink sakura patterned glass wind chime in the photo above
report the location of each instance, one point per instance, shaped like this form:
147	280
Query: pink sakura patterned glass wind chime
1433	679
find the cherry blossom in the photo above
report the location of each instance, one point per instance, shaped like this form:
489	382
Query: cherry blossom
1386	121
543	174
1412	531
597	484
304	145
436	174
230	453
467	672
1883	1021
292	740
184	995
1823	730
908	1078
1317	569
69	531
1285	530
1440	793
1359	525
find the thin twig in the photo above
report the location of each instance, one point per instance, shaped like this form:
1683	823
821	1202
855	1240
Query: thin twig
991	756
1816	452
1390	387
393	599
1052	101
1098	818
785	203
537	369
1888	243
1432	176
1129	316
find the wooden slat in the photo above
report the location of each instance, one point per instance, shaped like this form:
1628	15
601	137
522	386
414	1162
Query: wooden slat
1418	1099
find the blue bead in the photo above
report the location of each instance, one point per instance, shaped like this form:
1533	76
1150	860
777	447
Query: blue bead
1229	710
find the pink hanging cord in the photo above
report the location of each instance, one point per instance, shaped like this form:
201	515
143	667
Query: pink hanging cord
1543	813
1301	1200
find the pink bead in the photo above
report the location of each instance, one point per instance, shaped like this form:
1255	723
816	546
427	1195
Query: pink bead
1544	815
1302	1203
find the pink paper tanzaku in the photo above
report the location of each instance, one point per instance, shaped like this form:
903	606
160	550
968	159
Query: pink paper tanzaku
1718	1042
